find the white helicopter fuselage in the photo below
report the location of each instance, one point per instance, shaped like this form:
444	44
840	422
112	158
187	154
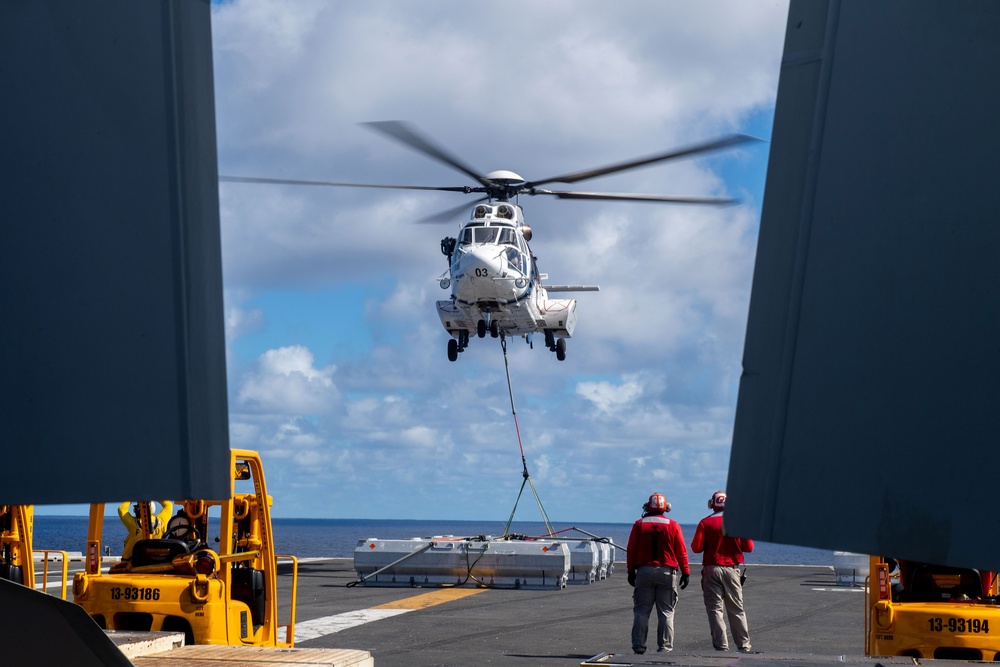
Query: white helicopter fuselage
495	284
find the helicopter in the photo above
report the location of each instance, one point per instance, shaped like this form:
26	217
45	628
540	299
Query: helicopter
496	287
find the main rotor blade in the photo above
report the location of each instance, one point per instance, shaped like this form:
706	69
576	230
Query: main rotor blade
450	214
404	133
724	142
285	181
628	196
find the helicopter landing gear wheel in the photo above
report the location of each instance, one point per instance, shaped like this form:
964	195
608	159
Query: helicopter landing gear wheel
561	349
452	349
481	328
495	329
550	340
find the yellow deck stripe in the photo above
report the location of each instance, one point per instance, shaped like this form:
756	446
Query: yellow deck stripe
431	599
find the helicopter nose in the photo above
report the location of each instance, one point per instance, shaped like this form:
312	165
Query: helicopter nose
476	275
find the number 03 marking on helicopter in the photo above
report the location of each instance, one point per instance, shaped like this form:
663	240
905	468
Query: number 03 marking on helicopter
495	284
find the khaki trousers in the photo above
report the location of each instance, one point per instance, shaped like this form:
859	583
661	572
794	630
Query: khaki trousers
724	597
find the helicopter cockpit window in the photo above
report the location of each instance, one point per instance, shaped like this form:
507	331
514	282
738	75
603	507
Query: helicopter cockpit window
507	236
486	235
515	259
466	236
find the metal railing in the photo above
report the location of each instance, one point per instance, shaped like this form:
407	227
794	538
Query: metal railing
64	557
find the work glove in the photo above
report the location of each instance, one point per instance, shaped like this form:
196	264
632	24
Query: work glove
684	581
631	579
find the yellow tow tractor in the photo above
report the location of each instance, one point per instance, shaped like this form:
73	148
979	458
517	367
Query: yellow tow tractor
213	574
931	612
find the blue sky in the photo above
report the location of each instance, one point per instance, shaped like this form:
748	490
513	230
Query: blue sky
338	371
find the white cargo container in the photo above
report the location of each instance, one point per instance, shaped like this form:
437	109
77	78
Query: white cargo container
585	562
850	568
607	564
460	561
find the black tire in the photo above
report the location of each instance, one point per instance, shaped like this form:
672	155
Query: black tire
481	328
452	349
561	349
495	329
550	339
178	624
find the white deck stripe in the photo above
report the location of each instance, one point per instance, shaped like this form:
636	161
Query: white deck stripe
327	625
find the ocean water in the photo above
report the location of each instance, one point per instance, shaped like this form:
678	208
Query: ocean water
337	538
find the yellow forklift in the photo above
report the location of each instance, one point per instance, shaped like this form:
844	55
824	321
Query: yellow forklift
931	611
16	560
211	572
17	553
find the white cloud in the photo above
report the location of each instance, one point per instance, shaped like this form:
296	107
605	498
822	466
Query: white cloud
311	458
408	301
240	322
610	398
647	392
286	382
243	435
420	436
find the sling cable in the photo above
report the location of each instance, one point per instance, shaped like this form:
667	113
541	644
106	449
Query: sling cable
524	462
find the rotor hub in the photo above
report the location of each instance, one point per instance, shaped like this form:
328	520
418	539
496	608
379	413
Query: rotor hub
505	184
504	177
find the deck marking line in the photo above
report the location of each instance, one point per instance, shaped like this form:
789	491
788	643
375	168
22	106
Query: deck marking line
328	625
430	599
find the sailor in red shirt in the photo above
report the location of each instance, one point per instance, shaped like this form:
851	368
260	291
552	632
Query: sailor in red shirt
656	552
720	576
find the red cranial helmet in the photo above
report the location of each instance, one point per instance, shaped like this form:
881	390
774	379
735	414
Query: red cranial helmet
657	503
717	501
